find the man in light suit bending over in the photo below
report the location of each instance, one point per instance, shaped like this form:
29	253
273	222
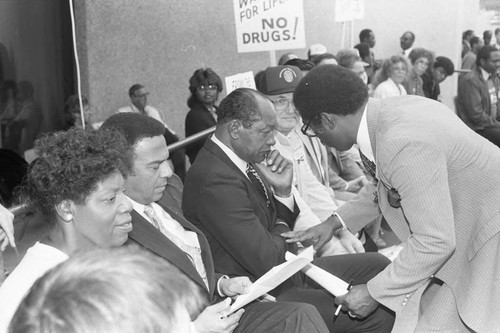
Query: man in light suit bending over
435	192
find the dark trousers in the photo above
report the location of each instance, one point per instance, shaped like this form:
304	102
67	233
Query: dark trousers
278	317
491	133
358	267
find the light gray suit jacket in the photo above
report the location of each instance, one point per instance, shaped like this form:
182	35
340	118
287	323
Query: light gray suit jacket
448	179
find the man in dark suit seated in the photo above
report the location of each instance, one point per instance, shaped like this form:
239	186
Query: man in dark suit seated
160	227
243	207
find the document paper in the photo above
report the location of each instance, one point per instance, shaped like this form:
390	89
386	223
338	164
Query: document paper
274	277
330	282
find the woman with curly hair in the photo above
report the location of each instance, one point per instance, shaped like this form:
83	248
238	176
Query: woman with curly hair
205	86
420	60
391	76
77	185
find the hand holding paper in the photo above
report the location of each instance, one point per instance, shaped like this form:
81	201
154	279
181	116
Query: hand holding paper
215	319
235	286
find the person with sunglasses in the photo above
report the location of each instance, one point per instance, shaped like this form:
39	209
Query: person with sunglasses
205	86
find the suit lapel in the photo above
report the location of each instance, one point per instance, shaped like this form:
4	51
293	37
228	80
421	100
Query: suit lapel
400	229
206	253
151	238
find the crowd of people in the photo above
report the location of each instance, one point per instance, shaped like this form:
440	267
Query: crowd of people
322	152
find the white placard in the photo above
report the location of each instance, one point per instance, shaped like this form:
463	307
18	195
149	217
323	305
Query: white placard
348	10
240	80
265	25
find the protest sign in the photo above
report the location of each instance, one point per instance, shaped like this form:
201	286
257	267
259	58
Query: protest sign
348	10
240	80
267	25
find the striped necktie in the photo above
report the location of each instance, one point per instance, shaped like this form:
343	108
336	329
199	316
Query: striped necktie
258	183
369	165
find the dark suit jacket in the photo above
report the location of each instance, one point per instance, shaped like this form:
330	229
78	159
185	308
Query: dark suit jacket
197	120
473	101
220	200
146	235
431	89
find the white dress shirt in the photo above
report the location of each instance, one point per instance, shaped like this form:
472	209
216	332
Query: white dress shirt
150	111
363	139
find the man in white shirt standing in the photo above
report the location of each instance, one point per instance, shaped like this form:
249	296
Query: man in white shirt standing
139	97
406	41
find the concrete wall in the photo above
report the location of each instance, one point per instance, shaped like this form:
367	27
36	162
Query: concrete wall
161	42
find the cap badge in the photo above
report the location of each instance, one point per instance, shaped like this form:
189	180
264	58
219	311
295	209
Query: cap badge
288	74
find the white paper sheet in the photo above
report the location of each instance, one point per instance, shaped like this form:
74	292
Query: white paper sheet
325	279
273	278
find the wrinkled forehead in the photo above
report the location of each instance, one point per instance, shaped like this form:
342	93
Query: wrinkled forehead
267	112
280	96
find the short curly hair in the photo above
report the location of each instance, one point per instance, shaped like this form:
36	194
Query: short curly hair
241	104
329	89
71	164
200	77
420	52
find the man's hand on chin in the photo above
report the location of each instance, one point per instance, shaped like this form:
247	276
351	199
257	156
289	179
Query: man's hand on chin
278	172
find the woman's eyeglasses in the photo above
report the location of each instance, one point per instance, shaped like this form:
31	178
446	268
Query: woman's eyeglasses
210	87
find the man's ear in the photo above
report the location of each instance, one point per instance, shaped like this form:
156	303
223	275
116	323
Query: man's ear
234	128
64	210
328	120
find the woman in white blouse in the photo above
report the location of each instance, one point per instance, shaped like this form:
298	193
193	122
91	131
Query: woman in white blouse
392	74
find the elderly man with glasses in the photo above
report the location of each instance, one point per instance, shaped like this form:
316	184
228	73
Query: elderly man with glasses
239	194
319	201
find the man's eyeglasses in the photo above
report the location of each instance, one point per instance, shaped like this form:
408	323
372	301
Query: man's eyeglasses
282	103
210	87
307	130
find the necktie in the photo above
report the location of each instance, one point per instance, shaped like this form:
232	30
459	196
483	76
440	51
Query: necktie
193	252
258	183
369	165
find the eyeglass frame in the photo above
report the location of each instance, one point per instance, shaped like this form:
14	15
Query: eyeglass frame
307	126
288	103
210	87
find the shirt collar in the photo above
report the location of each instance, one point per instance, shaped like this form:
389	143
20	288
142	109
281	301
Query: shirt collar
135	109
139	208
363	139
484	74
240	164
